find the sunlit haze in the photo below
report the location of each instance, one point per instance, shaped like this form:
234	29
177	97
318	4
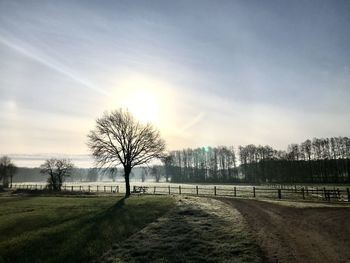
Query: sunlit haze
203	72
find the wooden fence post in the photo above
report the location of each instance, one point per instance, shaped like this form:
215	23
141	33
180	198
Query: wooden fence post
197	189
279	193
234	191
111	189
253	191
179	189
348	191
72	188
214	190
307	190
117	189
89	188
104	188
325	194
154	190
169	189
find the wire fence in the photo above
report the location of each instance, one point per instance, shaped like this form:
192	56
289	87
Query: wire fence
311	193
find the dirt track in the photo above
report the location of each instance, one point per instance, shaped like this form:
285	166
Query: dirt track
289	234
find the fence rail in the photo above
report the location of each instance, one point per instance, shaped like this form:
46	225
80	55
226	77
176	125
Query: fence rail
271	192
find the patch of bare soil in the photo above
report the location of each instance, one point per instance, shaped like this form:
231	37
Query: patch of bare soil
290	234
197	230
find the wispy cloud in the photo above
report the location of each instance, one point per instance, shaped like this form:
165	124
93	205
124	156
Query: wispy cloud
52	65
192	122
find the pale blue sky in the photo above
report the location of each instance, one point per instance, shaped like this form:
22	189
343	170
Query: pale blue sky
213	72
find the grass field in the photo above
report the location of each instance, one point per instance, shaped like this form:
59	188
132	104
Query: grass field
71	229
198	229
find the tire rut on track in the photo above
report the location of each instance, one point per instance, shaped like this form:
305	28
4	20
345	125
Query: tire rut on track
289	234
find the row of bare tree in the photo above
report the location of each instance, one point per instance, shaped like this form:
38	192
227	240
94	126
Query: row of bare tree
317	161
207	164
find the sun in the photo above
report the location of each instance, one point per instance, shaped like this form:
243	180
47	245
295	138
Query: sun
144	106
149	99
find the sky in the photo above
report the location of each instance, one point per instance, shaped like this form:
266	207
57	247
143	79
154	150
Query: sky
205	73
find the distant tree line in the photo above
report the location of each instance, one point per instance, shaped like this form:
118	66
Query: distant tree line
312	161
207	164
24	174
325	160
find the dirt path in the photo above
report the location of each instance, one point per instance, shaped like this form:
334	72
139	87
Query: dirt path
290	234
197	230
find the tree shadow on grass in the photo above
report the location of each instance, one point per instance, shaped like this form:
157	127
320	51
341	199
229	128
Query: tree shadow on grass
76	239
117	206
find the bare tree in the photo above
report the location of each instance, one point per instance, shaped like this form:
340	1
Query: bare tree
12	169
167	162
111	173
144	173
92	175
119	139
7	170
58	170
156	172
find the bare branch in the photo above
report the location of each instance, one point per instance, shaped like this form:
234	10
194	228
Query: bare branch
119	138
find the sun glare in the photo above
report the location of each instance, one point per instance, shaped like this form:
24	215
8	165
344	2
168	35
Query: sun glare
142	95
149	98
144	106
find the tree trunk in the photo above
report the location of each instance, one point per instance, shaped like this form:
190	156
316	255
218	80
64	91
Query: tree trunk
127	171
